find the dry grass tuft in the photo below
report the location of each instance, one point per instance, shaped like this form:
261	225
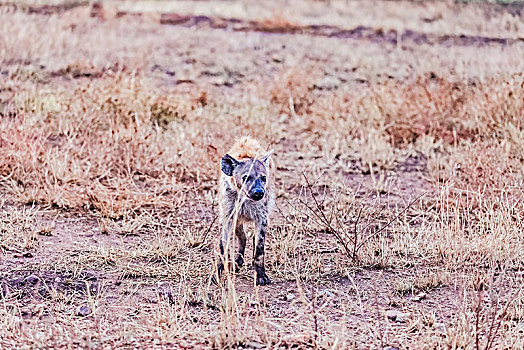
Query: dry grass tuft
17	230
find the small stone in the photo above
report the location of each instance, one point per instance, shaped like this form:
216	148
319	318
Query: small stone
439	326
84	310
255	345
277	58
129	338
289	297
403	317
327	293
521	326
397	316
32	279
392	314
93	344
419	296
328	83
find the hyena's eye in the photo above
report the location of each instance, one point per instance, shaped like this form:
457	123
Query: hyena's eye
263	178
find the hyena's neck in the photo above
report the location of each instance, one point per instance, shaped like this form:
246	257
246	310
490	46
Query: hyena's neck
245	208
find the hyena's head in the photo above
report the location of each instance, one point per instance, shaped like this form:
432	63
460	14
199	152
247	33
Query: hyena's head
248	174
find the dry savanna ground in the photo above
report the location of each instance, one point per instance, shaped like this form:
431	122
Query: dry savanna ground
398	130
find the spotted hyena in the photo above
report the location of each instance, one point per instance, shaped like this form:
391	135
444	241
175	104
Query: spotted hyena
246	195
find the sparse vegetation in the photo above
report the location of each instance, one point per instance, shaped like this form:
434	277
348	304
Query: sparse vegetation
398	131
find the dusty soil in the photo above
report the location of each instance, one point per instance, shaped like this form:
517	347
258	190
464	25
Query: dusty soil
141	279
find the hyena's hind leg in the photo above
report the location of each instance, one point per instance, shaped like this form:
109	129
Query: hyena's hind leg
261	277
241	235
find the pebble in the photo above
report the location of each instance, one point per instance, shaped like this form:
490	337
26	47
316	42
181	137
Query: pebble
277	58
419	296
439	326
327	293
391	314
328	83
31	279
255	345
289	297
84	310
403	317
398	316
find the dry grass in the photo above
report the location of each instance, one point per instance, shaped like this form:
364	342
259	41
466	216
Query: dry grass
400	176
17	230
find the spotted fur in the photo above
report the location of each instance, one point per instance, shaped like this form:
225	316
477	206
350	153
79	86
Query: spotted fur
246	171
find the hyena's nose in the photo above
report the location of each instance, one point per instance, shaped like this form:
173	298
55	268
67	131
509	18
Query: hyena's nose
257	194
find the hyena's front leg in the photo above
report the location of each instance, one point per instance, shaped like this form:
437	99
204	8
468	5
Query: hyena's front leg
239	231
261	277
226	228
241	235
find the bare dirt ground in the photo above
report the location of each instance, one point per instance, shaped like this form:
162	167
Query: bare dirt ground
398	130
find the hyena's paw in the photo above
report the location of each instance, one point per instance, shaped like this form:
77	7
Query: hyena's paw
262	278
216	274
239	261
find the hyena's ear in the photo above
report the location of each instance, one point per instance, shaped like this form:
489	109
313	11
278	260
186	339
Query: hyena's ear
265	159
228	164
